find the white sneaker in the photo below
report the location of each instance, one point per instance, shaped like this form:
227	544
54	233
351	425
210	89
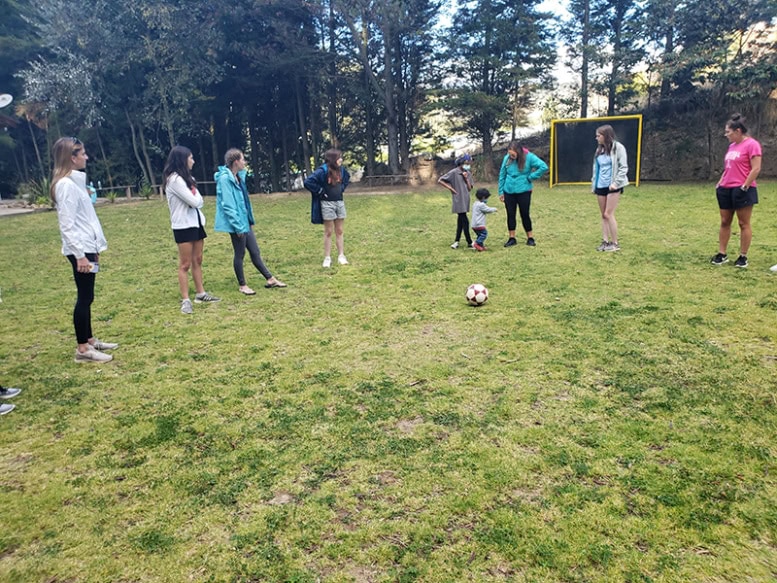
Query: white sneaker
327	262
92	355
455	245
342	260
773	268
6	409
100	345
186	306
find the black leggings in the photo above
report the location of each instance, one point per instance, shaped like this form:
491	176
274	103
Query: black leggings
462	226
521	201
240	244
82	313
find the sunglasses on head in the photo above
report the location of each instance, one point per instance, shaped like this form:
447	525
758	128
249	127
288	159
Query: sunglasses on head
77	143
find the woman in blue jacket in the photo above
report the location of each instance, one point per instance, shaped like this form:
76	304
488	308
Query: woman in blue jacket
327	185
519	169
235	216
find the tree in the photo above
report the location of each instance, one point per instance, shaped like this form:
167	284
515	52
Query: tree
499	51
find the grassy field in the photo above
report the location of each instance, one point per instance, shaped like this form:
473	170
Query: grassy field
604	417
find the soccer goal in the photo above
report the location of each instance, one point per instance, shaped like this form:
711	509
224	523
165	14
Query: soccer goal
573	142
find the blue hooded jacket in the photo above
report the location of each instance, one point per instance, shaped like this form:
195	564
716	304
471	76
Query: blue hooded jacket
514	180
234	213
316	184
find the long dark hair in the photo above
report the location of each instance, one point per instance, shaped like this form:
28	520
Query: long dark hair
518	148
178	163
609	139
334	173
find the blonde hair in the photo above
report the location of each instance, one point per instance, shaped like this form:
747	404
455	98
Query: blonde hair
63	151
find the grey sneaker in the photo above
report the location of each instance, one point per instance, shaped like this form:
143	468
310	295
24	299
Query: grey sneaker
205	297
6	409
603	245
719	259
186	306
100	345
8	392
92	355
611	246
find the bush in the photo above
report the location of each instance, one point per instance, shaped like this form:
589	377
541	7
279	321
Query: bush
111	196
35	190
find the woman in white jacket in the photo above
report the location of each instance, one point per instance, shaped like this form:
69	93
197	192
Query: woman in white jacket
609	179
188	223
82	241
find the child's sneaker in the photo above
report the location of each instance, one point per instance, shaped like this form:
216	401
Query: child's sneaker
455	245
478	247
603	245
327	262
612	246
342	260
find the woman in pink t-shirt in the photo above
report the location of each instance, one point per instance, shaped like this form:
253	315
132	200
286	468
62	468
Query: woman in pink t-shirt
736	189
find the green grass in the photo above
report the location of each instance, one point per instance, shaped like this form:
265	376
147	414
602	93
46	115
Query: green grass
604	417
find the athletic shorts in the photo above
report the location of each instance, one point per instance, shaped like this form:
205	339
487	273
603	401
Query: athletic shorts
606	191
189	235
736	198
332	209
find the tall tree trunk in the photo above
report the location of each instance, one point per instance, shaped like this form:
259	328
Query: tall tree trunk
285	150
331	86
303	130
135	149
214	149
389	99
37	151
168	122
370	123
147	159
106	163
584	65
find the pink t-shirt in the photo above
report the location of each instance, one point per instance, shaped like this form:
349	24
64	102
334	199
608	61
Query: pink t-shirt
737	162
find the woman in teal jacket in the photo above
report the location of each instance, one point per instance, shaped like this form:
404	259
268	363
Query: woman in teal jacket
235	216
519	169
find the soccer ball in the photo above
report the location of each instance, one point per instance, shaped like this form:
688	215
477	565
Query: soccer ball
477	294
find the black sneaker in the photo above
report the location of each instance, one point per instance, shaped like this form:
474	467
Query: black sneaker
510	242
720	259
741	261
530	242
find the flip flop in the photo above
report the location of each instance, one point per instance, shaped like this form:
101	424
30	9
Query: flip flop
247	292
276	283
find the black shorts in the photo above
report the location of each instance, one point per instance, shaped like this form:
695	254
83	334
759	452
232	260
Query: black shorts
606	191
736	198
189	235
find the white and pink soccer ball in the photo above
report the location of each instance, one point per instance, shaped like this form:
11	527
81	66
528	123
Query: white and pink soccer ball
477	294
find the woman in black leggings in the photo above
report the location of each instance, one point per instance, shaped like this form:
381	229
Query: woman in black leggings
82	241
519	169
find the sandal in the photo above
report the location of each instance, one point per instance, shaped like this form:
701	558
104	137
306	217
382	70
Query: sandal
274	283
245	290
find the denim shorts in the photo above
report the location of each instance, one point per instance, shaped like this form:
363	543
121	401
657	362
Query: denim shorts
332	209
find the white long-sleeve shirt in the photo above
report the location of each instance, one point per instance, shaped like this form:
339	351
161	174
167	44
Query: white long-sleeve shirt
78	223
184	203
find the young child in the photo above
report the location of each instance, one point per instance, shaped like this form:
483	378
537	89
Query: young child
479	211
459	182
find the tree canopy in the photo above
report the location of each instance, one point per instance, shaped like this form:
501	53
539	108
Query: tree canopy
286	79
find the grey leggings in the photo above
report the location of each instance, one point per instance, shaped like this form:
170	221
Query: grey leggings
240	244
